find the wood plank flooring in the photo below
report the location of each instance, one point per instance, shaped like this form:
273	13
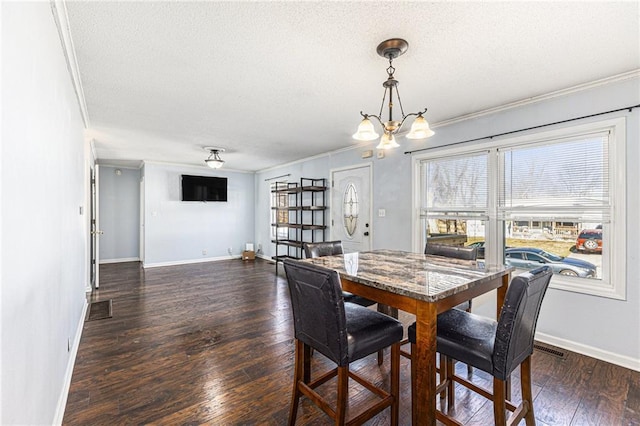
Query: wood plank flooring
211	343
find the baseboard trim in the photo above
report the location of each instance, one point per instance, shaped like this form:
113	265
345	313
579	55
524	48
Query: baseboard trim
64	393
189	261
265	257
610	357
122	259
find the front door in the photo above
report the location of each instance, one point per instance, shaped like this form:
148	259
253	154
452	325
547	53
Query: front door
351	207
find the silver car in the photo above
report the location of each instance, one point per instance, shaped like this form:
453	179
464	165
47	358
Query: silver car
530	258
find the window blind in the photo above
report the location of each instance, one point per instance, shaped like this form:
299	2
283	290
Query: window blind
563	179
455	187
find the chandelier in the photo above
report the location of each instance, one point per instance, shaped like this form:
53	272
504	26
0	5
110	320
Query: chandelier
214	161
391	49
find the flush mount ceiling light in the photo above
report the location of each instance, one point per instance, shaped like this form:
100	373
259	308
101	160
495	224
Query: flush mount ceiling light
391	49
214	161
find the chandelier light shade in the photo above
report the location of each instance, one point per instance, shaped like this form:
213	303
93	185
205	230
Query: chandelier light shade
387	141
366	131
214	161
420	129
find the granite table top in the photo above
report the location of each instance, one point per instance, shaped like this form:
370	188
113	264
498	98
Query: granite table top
419	276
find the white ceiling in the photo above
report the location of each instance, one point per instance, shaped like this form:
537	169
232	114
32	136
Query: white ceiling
273	82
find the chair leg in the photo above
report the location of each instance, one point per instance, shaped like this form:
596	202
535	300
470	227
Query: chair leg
469	368
343	395
393	313
443	375
499	405
306	363
414	391
527	397
451	396
395	383
298	375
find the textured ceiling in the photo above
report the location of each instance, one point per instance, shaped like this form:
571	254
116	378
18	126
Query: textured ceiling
273	82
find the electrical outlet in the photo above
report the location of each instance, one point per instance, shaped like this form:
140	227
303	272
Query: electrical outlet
230	250
204	252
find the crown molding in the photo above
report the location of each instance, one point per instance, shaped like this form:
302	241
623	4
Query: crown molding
197	167
562	92
59	10
314	157
92	151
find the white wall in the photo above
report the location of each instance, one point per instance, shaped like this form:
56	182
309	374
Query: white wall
605	328
43	232
119	214
391	191
181	232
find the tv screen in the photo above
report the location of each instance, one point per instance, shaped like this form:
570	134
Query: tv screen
204	188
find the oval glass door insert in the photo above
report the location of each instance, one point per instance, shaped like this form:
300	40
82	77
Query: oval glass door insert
350	209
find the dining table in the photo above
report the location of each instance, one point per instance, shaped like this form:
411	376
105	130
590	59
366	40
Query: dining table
423	285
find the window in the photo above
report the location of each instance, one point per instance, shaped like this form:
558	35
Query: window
513	255
454	200
279	211
554	198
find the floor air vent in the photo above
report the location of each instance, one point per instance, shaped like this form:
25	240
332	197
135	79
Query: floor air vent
550	350
100	310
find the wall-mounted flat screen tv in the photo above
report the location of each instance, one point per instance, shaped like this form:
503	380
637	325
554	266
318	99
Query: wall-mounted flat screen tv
204	188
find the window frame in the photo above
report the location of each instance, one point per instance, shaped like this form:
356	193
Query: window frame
613	283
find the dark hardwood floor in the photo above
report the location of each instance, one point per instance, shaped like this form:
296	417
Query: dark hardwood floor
211	343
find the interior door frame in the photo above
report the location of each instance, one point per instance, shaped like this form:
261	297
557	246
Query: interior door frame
369	166
95	228
141	247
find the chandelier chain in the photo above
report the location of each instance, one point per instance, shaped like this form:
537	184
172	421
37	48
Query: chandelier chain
391	68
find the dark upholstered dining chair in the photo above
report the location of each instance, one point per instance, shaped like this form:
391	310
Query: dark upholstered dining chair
343	332
323	248
330	248
496	347
453	252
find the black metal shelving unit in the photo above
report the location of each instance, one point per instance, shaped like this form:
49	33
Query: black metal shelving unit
306	219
